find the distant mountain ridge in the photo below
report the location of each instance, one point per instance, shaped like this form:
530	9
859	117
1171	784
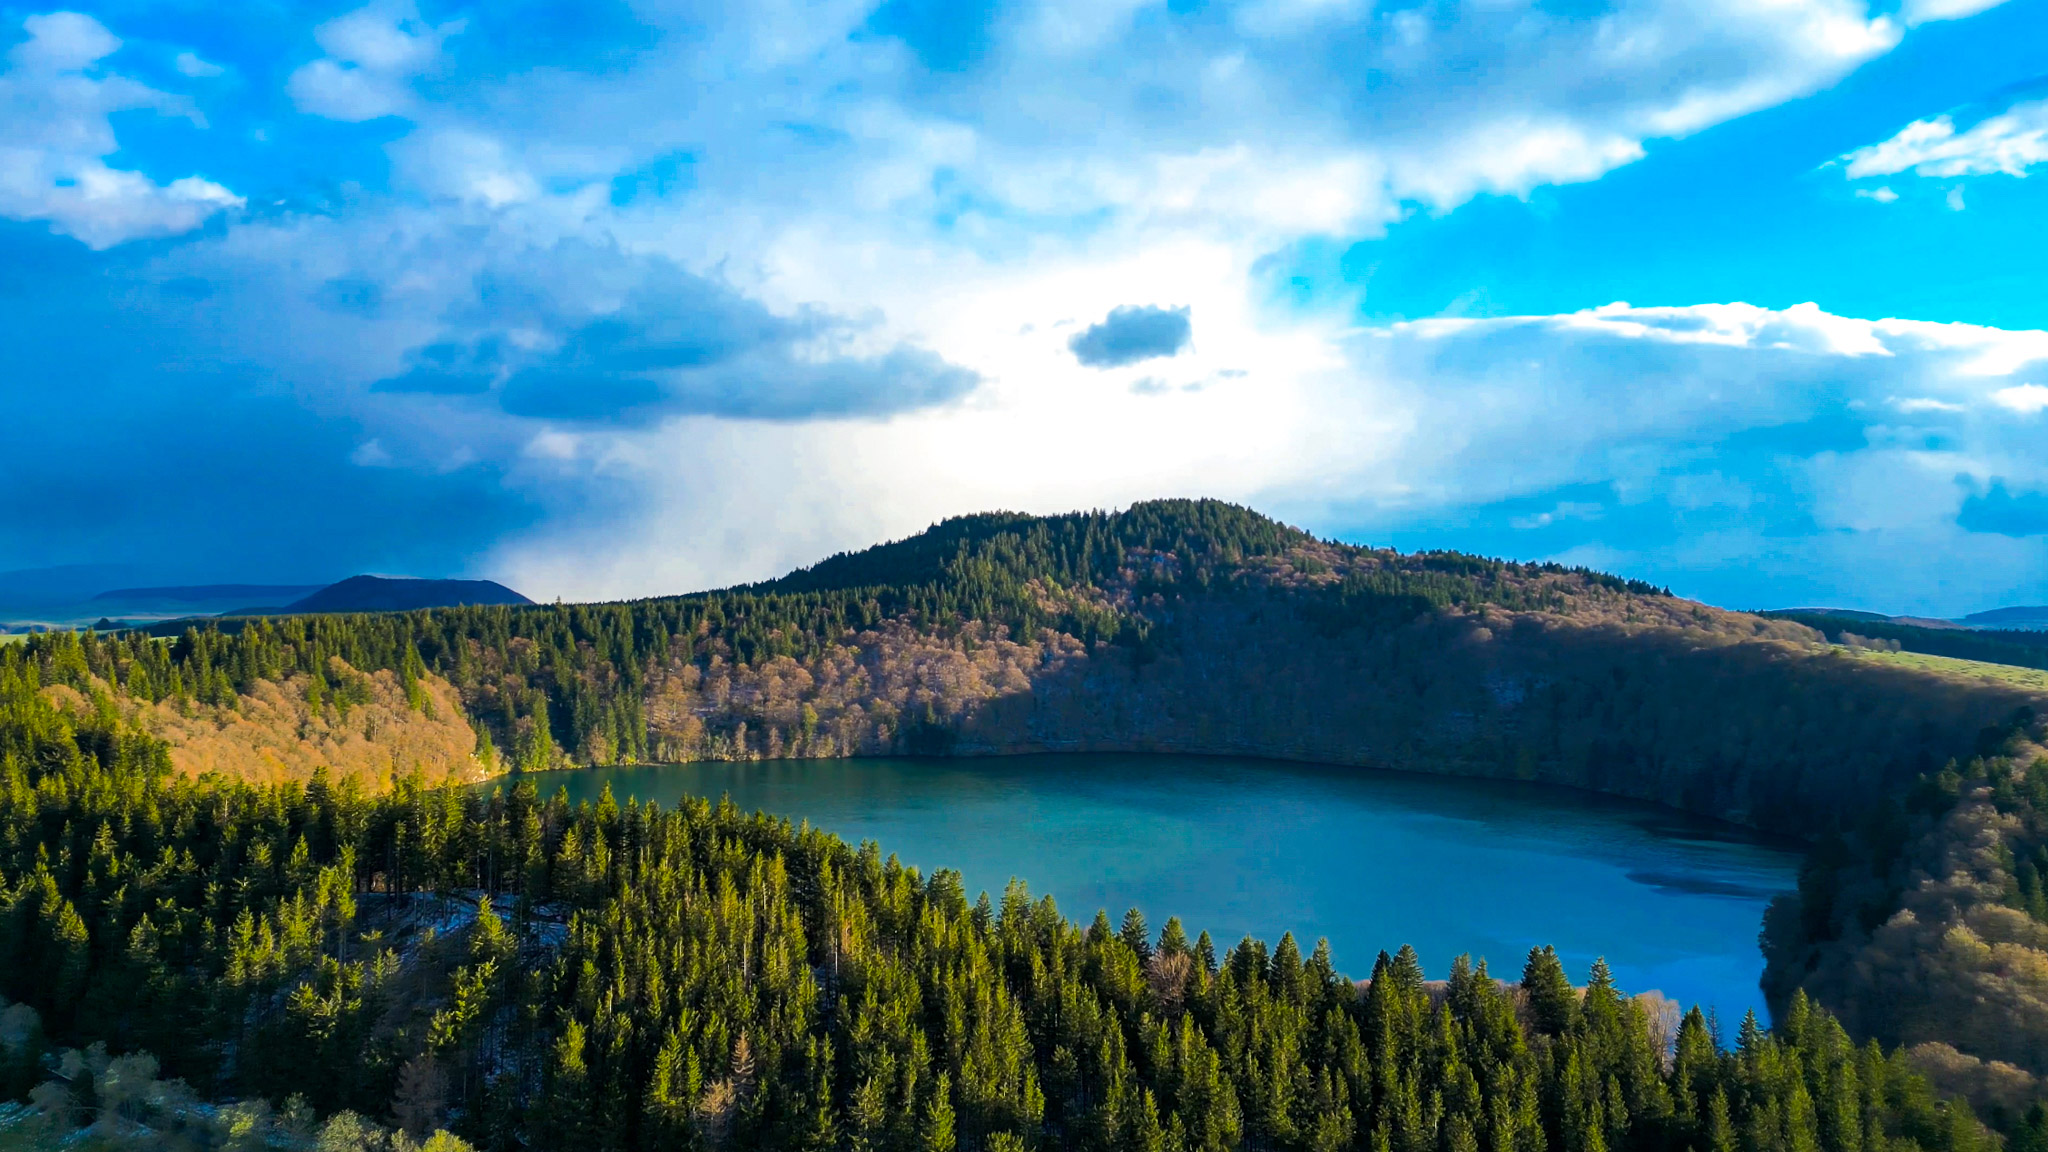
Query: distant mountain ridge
2030	617
401	594
2026	618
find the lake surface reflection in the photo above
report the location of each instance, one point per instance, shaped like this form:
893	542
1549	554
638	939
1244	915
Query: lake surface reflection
1369	859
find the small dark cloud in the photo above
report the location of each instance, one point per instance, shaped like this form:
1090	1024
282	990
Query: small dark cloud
1133	333
2001	511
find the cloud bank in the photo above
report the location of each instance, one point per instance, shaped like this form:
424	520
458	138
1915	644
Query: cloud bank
2010	142
618	299
56	133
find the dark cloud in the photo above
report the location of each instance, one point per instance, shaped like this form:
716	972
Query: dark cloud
241	488
130	441
1133	333
664	343
2005	512
179	409
770	385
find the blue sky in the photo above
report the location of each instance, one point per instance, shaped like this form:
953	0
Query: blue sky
612	299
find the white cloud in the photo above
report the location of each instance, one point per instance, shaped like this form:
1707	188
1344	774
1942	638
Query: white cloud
2025	399
373	55
62	42
1915	12
2009	143
466	166
1881	194
1914	405
1569	510
1274	120
191	64
55	135
1739	420
1098	157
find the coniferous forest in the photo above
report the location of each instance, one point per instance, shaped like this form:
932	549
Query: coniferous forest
531	975
281	883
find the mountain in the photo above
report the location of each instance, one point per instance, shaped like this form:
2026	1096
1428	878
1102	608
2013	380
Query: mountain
1867	630
1868	617
1843	613
401	594
1202	627
2032	618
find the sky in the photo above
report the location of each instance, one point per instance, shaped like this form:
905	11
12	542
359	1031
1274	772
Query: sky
620	298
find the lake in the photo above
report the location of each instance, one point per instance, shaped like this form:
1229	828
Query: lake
1369	859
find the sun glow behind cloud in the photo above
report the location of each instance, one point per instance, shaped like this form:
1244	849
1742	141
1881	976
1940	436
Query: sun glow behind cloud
702	295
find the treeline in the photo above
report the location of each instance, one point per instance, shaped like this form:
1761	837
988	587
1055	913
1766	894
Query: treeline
629	977
555	684
1174	626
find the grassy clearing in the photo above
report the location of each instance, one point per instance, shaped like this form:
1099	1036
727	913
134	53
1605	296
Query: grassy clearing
1948	666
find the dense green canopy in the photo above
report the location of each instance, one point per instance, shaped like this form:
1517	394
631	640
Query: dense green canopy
536	975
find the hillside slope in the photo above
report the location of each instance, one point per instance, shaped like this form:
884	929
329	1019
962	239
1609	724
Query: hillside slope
1202	627
1186	626
1996	646
634	979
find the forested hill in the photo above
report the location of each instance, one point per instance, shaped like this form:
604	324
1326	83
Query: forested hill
979	566
210	965
1173	626
1189	626
2025	649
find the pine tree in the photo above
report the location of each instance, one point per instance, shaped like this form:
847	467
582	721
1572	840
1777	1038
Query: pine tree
935	1126
1553	1006
1173	939
1135	935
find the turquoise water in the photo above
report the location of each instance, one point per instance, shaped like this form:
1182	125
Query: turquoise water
1369	859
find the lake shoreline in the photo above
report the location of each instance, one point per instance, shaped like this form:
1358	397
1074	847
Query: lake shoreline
1254	846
